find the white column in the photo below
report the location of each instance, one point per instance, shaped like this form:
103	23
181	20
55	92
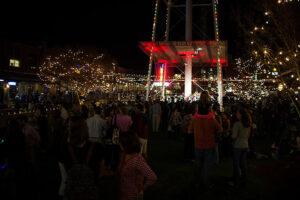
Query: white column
188	76
164	80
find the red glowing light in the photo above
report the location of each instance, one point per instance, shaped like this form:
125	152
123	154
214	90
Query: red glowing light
176	51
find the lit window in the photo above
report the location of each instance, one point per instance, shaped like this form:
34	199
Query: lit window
32	67
14	63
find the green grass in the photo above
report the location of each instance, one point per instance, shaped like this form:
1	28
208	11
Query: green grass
267	178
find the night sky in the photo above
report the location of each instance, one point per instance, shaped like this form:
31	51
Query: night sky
114	25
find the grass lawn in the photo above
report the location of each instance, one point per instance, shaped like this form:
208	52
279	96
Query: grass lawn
268	178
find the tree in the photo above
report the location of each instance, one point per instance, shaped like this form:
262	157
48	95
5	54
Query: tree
273	35
81	71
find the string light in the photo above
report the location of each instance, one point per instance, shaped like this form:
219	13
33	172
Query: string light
79	71
219	67
151	51
285	60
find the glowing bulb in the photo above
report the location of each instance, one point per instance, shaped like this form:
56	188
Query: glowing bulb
255	28
287	59
266	13
280	87
252	42
280	53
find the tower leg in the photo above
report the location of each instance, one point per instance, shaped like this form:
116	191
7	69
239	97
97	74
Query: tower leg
164	80
188	76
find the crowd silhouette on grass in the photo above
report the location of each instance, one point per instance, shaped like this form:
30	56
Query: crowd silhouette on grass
93	141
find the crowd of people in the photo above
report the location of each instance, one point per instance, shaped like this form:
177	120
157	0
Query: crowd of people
92	141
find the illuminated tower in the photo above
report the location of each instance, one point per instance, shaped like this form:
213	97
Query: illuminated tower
188	52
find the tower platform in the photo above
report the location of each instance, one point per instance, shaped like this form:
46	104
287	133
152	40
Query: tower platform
175	52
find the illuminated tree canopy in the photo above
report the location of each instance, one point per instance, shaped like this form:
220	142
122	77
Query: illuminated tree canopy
77	70
273	40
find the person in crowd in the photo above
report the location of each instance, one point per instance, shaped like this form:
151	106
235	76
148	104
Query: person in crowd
240	134
42	128
60	134
84	111
134	174
82	162
226	136
97	127
32	140
164	116
64	114
218	136
204	127
155	111
188	138
140	127
79	147
32	148
175	121
130	108
15	162
123	120
112	152
55	128
75	110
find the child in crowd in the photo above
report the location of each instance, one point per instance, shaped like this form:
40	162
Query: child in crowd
134	174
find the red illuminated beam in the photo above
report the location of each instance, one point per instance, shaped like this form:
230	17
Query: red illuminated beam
203	52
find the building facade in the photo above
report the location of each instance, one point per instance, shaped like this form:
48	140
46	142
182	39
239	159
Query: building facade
18	68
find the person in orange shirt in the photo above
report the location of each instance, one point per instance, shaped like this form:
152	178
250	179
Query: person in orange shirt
204	126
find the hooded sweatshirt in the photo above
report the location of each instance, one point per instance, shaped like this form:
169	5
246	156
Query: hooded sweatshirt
204	128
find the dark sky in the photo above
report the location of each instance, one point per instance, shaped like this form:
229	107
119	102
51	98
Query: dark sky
116	25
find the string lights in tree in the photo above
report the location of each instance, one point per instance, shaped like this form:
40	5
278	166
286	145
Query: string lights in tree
252	80
286	1
274	41
79	71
